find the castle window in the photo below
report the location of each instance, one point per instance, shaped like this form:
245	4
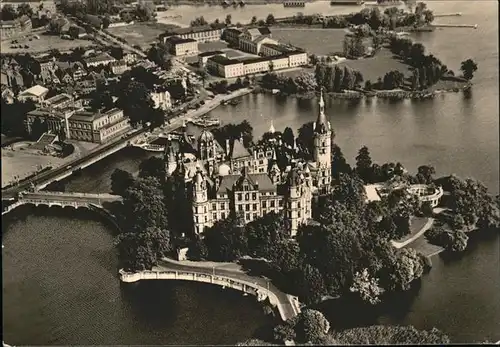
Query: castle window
223	215
247	196
240	196
280	203
222	206
247	207
247	216
254	196
214	216
214	207
255	207
255	216
264	204
205	209
272	203
240	207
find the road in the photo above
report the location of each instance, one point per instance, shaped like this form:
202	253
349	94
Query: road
283	298
71	197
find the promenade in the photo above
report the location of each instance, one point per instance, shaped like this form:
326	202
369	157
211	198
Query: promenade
224	274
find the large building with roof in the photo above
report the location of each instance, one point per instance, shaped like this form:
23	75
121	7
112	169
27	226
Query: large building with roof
227	179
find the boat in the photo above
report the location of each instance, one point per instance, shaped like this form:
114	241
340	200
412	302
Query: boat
346	2
205	123
294	3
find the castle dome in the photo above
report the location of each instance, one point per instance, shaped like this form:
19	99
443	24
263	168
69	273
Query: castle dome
206	136
224	169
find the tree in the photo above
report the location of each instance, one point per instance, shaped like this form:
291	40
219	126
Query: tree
468	67
364	165
312	326
153	167
198	249
24	10
425	174
254	342
143	205
313	59
56	25
270	19
368	85
339	163
288	137
313	285
8	12
228	19
106	22
121	180
142	250
264	233
404	266
389	335
393	79
135	101
306	140
226	240
116	52
253	21
367	287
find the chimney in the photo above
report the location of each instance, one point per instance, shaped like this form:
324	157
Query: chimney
228	147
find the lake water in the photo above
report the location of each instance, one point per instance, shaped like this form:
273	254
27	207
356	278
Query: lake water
59	268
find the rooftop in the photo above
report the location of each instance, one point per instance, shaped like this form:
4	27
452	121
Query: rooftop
219	59
176	40
58	99
239	151
37	90
191	30
208	54
100	58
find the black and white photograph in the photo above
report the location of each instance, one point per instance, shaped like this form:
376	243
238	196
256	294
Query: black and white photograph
250	172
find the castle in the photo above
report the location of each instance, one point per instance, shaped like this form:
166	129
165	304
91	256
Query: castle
223	181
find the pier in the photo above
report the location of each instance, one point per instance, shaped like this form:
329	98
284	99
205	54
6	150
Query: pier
472	26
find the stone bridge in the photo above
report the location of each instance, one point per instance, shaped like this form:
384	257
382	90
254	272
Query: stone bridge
287	305
75	200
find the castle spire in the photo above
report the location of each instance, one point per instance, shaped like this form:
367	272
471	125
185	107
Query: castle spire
321	125
271	128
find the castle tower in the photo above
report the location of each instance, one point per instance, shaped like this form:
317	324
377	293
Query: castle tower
274	170
206	146
323	147
201	212
169	157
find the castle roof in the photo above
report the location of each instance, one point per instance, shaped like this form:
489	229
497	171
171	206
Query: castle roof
239	151
321	126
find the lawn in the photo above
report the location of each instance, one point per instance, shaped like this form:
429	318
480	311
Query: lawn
378	66
141	34
314	41
45	43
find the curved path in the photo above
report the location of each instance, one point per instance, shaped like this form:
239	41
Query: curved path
206	272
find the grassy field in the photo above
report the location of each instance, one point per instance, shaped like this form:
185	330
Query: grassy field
378	66
314	41
45	43
142	34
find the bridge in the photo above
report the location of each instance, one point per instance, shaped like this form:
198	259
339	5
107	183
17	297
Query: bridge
287	305
44	179
75	200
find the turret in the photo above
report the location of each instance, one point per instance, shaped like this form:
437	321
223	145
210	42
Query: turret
274	171
323	146
201	211
206	146
169	157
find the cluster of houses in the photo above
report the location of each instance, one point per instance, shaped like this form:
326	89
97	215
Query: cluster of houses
9	28
268	54
68	111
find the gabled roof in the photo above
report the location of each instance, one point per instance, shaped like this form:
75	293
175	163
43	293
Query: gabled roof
239	151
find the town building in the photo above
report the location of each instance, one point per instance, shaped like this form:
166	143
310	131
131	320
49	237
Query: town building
181	46
205	33
36	93
230	179
100	59
251	39
161	97
59	101
225	67
15	27
231	36
203	57
53	119
231	68
46	5
130	58
97	127
118	67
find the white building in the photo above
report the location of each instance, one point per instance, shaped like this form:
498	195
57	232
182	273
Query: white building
36	93
100	59
180	46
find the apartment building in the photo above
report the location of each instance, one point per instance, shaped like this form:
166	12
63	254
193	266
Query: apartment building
97	127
